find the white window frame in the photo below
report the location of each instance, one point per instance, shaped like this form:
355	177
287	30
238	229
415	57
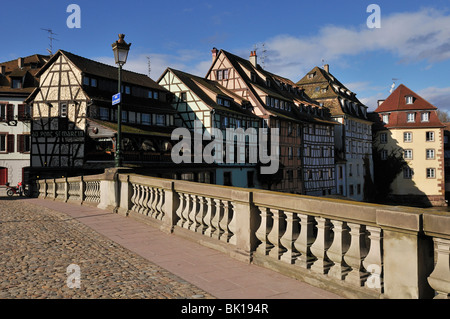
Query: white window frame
408	154
409	139
431	172
431	139
411	118
425	117
430	153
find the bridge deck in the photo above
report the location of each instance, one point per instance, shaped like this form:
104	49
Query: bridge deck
211	271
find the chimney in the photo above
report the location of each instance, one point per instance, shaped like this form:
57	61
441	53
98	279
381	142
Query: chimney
326	67
214	52
252	58
2	69
20	62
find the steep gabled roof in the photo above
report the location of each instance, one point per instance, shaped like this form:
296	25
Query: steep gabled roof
91	67
323	79
398	110
199	86
279	88
397	101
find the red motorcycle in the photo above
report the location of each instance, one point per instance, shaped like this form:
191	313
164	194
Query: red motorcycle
19	189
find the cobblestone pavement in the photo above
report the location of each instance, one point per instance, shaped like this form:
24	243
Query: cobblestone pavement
37	245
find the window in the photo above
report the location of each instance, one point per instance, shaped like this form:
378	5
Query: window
24	112
384	155
253	77
358	189
409	99
156	95
104	113
411	117
407	137
407	173
425	117
124	116
23	143
383	138
341	173
132	117
351	190
2	142
160	119
183	96
429	136
386	118
63	109
146	119
219	75
431	173
408	154
227	179
85	80
16	83
94	83
430	153
290	155
350	170
311	75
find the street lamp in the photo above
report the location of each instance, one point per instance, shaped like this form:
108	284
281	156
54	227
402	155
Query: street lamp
120	48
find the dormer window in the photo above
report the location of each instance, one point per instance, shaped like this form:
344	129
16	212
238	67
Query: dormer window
16	83
311	75
268	82
386	118
409	99
253	77
411	117
425	117
224	102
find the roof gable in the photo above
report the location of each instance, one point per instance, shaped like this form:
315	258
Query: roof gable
396	101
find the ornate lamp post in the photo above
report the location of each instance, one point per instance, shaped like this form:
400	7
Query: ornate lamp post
120	48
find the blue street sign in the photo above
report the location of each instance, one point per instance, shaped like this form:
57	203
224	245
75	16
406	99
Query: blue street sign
116	99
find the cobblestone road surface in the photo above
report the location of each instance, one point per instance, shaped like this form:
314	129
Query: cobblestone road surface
37	245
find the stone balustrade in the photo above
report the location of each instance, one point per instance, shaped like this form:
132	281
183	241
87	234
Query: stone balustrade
357	250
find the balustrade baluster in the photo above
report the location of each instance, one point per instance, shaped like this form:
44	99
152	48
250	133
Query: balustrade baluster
373	263
277	231
304	241
155	202
180	209
201	227
439	279
355	255
320	246
133	198
337	250
225	221
193	213
217	218
209	216
151	198
263	231
289	237
143	200
160	205
186	211
232	225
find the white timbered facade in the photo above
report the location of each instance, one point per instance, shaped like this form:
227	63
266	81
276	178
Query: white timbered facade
199	99
280	104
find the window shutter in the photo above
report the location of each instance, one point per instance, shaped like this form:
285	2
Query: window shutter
21	112
10	112
10	145
20	143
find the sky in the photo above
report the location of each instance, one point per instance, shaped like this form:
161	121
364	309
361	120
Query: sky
410	45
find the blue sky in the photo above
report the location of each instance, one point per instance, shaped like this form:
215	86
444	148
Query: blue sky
412	45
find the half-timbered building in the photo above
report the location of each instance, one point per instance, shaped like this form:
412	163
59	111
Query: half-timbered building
17	80
215	107
353	132
280	104
74	124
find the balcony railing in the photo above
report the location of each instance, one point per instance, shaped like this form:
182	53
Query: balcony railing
357	250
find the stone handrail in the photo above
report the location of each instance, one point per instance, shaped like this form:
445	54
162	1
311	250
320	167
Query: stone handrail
358	250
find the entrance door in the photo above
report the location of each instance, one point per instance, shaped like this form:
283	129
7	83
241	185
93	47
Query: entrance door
3	175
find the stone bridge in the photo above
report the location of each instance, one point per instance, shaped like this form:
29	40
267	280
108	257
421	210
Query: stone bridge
356	250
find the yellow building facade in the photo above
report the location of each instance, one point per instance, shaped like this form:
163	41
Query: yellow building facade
410	128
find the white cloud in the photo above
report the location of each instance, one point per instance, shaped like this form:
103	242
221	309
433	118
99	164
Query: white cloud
411	36
439	97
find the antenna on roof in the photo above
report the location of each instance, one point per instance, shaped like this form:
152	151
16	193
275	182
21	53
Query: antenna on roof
149	66
50	36
393	85
263	54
